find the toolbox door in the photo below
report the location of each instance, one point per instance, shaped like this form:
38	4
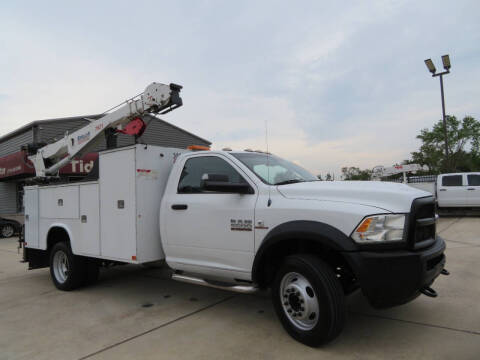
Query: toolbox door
89	243
117	205
31	217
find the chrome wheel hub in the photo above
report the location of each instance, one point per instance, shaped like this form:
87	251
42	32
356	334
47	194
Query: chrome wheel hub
60	266
299	301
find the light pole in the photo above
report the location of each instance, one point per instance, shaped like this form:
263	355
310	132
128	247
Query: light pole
431	68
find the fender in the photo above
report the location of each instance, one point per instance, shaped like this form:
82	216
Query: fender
39	258
61	226
318	232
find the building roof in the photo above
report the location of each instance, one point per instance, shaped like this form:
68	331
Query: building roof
86	118
39	122
180	129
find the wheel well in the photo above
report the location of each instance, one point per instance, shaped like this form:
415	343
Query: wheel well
273	257
56	235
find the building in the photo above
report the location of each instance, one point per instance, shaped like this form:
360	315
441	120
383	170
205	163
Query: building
15	168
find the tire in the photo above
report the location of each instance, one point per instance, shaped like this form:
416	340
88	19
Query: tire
309	300
68	271
7	231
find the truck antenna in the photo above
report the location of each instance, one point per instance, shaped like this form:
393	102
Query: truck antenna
269	202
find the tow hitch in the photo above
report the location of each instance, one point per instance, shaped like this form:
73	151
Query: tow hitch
427	290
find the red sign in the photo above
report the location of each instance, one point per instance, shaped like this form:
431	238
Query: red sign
17	164
80	166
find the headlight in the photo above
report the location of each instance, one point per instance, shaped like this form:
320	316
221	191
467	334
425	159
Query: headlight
380	228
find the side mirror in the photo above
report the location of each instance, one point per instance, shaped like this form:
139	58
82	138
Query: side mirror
221	183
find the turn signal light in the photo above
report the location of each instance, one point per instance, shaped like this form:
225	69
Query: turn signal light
364	225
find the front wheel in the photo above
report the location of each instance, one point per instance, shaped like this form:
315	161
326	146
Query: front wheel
309	300
7	231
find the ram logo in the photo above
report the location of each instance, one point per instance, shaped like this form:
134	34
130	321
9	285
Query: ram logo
241	225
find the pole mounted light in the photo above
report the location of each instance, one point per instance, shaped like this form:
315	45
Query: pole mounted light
446	62
430	66
433	70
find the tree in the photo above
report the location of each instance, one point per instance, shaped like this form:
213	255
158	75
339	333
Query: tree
328	177
354	173
463	146
319	176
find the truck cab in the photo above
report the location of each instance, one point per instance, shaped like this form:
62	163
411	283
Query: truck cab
458	190
251	217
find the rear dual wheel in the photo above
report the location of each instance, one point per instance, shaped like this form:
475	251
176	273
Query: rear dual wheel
309	300
69	271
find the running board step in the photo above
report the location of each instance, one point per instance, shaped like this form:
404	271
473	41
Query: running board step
197	281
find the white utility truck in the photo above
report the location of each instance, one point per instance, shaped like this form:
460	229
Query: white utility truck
236	220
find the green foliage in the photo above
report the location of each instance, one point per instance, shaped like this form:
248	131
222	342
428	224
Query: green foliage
354	173
463	145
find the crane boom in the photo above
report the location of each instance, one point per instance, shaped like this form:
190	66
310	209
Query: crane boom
381	171
157	98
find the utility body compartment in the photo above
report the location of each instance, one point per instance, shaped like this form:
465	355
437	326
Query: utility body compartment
114	218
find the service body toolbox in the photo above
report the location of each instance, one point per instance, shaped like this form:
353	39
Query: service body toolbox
115	217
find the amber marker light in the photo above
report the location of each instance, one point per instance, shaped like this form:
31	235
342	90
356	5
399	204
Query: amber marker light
365	225
198	148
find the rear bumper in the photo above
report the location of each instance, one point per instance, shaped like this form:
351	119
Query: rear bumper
395	277
36	258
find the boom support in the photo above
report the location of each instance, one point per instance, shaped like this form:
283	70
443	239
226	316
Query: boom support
379	171
157	98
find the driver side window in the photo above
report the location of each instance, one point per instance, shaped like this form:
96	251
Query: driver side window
193	172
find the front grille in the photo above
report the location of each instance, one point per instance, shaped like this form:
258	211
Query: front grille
422	224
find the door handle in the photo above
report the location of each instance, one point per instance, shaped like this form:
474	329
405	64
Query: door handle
179	207
470	189
443	189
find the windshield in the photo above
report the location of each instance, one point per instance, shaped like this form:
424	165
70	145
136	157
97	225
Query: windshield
274	170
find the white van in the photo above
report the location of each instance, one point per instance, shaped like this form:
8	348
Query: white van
458	190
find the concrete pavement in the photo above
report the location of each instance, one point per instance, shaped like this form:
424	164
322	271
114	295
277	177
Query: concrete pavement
138	313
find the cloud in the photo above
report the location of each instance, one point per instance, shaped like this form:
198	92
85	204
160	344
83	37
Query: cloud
339	84
49	81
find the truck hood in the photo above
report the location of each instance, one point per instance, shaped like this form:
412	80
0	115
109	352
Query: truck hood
388	196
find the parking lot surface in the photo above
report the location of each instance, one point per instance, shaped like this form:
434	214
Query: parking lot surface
137	313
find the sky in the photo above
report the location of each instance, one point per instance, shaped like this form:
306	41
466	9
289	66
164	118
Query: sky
333	84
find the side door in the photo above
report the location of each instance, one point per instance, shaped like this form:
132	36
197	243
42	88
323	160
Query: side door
208	230
451	192
473	189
